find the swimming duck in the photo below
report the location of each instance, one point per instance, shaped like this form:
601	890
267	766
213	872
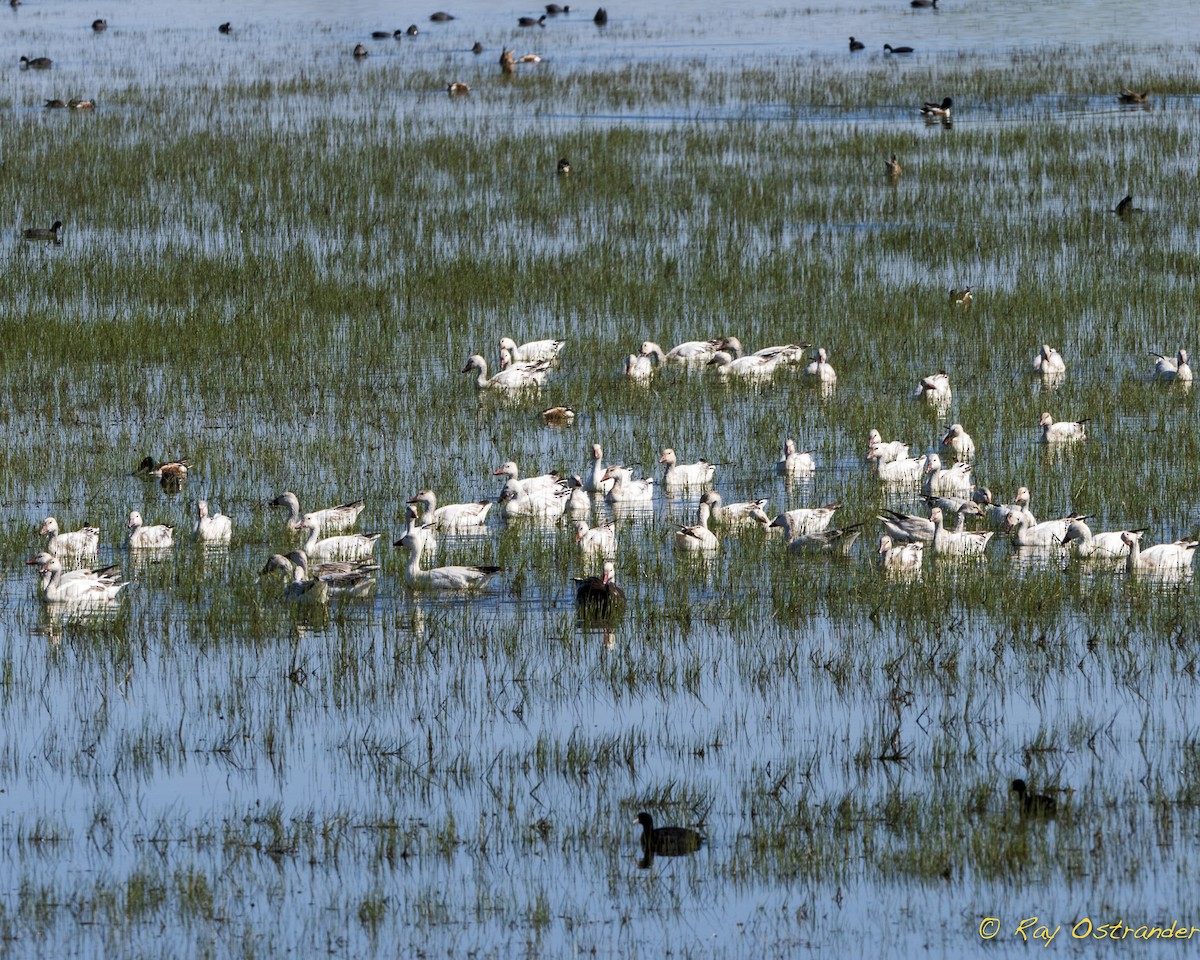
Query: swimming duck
533	58
79	586
1125	206
959	443
803	520
534	351
1049	361
666	841
856	45
225	28
1161	558
934	389
43	233
564	167
354	546
78	543
56	104
924	4
360	51
600	540
961	298
76	104
698	537
795	463
477	48
624	488
412	30
888	450
441	17
892	166
531	21
554	8
507	62
170	470
458	88
99	25
937	109
558	416
888	48
141	537
1132	96
685	474
341	517
1176	370
513	378
821	369
899	556
216	528
444	578
451	516
1062	431
601	17
600	596
1037	806
37	63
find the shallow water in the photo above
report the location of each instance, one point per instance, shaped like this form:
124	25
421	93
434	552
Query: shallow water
203	770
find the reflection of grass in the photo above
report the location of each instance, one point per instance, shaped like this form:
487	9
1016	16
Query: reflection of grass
285	293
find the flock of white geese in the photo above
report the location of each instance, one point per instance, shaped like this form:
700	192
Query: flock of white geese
333	561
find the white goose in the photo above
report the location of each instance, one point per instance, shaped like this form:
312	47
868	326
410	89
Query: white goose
954	481
78	543
934	389
450	516
698	538
354	546
909	528
685	474
546	504
1062	431
790	353
216	528
838	541
155	537
904	470
340	579
641	365
1048	533
1172	371
1086	545
444	578
625	489
593	472
959	443
329	570
509	471
748	513
341	517
694	351
1163	558
534	350
601	541
795	463
997	514
821	369
79	586
579	502
1049	362
426	533
804	520
903	556
957	543
513	378
747	368
889	450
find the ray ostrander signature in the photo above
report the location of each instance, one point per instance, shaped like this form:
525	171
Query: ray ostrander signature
1037	930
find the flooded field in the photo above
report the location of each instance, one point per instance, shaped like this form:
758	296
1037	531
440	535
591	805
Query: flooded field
275	260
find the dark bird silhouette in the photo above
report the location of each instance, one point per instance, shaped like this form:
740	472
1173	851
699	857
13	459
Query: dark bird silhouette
44	233
1036	805
99	25
1126	207
937	109
666	841
599	597
532	21
890	49
225	28
601	17
856	45
441	17
564	167
1132	96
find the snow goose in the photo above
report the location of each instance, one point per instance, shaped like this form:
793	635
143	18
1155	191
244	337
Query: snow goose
1048	533
600	540
450	516
787	354
593	472
354	546
514	378
955	481
1084	544
746	368
745	514
443	578
957	543
1172	371
953	504
902	556
141	537
934	389
335	519
959	443
997	514
1062	431
426	533
1049	362
889	450
546	504
821	369
694	351
641	365
80	586
625	488
305	589
509	471
802	520
77	543
600	596
698	537
579	503
110	574
216	528
341	579
826	541
909	528
533	350
685	474
795	463
904	470
1163	558
329	569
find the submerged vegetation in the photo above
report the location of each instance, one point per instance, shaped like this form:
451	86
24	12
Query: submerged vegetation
277	266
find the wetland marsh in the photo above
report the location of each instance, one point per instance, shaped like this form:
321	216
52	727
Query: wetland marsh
275	261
